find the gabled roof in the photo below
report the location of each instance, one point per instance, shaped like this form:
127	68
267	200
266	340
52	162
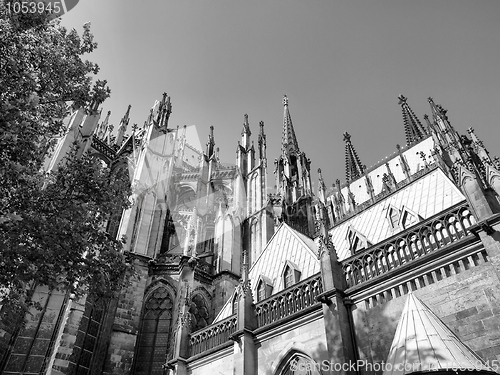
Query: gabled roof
285	245
423	343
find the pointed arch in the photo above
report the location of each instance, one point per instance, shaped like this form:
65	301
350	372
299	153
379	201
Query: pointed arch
200	308
290	274
264	288
293	359
155	329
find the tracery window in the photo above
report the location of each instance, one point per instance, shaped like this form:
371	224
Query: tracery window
199	312
154	333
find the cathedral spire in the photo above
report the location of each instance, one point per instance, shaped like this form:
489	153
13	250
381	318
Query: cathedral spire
289	140
353	167
414	130
123	127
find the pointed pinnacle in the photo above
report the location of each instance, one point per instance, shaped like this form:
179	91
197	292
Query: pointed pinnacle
353	166
289	140
246	126
414	130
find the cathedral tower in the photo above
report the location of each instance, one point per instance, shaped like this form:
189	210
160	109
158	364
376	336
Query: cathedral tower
293	179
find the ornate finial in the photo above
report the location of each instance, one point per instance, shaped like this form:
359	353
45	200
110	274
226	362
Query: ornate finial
347	137
402	99
285	100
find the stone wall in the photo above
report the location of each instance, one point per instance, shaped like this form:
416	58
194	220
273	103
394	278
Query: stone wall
307	337
126	324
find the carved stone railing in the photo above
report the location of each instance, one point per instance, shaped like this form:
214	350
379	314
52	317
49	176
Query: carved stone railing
420	240
103	148
290	301
213	335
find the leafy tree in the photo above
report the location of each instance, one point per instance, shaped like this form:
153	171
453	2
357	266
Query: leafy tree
52	227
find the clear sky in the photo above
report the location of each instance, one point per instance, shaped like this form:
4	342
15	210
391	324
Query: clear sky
341	63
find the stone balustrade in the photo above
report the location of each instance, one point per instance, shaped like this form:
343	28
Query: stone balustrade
213	335
419	240
290	301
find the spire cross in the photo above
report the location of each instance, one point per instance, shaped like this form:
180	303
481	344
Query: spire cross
347	137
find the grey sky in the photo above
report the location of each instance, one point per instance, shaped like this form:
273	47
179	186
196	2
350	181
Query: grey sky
341	63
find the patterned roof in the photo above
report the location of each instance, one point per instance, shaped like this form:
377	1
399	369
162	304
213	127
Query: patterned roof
425	197
413	159
424	343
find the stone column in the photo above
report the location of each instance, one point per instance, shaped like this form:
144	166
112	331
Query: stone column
245	352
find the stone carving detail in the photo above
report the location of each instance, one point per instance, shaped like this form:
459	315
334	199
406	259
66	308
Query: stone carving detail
185	319
244	288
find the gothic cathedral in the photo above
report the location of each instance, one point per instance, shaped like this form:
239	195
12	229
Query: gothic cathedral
396	270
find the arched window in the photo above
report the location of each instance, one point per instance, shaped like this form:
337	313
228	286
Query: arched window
298	364
261	291
199	312
154	335
288	277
